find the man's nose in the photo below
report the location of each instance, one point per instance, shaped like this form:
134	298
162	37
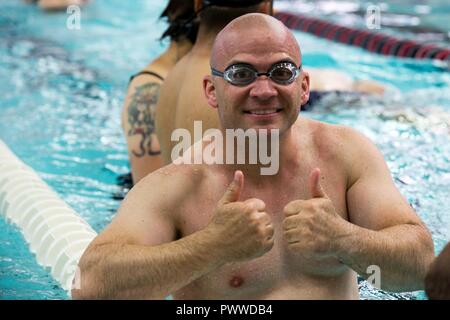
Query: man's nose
263	88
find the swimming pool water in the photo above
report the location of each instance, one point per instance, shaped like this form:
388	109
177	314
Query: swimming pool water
426	21
62	90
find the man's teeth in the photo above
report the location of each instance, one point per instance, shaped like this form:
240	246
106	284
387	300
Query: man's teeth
263	111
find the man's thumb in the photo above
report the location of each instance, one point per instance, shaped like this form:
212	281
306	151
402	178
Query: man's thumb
233	192
315	187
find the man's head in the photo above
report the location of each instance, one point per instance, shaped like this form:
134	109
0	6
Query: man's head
263	43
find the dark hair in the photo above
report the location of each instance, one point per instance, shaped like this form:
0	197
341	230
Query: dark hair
231	3
181	18
220	12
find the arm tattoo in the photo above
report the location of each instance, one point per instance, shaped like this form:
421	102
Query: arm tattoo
141	117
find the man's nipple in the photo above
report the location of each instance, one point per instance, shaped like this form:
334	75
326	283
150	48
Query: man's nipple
236	281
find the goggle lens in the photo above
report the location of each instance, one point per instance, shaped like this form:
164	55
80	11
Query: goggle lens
283	73
240	75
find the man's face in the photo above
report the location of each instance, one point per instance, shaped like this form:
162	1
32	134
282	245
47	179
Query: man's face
262	103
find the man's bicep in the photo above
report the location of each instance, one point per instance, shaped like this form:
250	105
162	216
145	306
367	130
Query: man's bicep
143	219
373	201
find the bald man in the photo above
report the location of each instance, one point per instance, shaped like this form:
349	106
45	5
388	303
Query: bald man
226	231
181	101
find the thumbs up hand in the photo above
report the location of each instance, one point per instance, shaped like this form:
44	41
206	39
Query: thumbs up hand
243	229
312	227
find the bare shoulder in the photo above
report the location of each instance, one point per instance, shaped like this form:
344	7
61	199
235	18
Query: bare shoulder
149	76
149	213
184	75
177	71
337	140
170	92
144	89
345	145
167	187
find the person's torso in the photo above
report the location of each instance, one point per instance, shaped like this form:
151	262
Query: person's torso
279	274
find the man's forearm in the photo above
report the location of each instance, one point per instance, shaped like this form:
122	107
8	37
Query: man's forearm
146	272
403	261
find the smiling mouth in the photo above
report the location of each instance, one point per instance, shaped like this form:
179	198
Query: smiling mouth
263	112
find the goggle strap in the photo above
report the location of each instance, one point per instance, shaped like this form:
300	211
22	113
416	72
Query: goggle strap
216	72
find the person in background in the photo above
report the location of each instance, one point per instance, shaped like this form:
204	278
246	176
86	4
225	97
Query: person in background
437	281
341	85
138	111
57	5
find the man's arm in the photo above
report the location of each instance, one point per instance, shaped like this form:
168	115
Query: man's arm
138	123
384	230
136	256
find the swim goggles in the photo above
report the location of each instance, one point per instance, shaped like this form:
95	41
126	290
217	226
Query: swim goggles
242	74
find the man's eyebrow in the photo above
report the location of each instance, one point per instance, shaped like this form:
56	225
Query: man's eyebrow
232	62
237	62
286	60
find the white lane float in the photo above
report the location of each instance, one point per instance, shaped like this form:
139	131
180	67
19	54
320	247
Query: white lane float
56	234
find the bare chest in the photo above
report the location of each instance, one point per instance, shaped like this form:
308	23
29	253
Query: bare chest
277	268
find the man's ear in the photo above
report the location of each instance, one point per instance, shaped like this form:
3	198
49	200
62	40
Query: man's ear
197	5
210	91
305	88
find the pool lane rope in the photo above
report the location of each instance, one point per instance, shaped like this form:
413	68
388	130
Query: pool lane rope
56	234
371	41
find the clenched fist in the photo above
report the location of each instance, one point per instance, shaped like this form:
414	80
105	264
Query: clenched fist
312	227
243	228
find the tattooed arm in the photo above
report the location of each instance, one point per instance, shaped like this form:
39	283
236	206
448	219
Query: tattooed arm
138	123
